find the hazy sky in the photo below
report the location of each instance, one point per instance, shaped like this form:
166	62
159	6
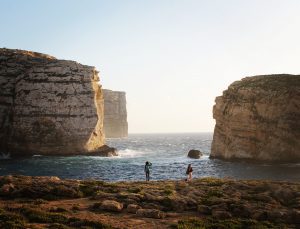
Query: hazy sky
172	57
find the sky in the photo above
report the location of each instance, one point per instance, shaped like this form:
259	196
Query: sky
171	57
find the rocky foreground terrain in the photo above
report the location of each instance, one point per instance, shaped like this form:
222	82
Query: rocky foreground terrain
258	118
48	202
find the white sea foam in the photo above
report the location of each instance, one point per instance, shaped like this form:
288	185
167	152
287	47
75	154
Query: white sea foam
129	153
4	156
205	157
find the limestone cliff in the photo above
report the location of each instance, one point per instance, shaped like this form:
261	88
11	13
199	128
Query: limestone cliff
115	114
259	118
48	106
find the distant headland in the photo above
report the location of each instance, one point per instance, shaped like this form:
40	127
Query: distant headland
115	114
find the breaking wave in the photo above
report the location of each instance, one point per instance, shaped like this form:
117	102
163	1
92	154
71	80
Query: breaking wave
129	153
4	156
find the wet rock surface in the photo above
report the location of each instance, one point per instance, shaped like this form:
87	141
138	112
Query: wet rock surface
196	154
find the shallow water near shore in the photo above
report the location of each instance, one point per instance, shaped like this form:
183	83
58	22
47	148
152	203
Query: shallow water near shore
167	153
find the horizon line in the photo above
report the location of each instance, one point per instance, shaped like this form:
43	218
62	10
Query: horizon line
191	132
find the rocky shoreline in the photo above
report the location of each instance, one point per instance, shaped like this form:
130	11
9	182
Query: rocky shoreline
103	151
49	202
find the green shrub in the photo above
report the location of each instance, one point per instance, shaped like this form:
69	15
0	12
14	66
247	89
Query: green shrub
214	192
88	190
39	201
58	210
209	223
75	208
38	216
65	191
168	192
134	190
211	181
77	223
58	226
10	220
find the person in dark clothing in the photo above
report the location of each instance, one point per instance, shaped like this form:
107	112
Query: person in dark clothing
147	170
189	172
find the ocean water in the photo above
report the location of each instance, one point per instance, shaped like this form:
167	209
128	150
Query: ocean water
166	152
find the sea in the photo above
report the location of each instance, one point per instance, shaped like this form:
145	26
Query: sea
166	152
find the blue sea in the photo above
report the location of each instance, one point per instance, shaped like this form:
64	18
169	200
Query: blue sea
166	152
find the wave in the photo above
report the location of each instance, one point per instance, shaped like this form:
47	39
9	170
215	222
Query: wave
129	153
4	156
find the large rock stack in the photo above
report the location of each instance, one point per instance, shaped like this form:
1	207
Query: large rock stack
259	118
115	114
48	106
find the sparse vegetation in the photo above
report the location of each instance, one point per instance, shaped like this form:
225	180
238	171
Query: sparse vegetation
202	203
210	223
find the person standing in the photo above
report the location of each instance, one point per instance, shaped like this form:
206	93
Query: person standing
147	170
189	172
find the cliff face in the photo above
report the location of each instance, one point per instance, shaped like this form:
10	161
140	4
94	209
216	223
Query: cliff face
259	118
48	106
115	114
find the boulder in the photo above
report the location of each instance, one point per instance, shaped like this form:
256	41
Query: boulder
111	205
196	154
132	208
150	213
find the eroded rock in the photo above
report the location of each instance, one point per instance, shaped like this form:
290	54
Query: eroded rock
259	118
48	106
133	208
150	213
111	205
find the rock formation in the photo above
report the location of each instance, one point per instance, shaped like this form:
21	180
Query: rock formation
259	118
49	106
115	114
196	154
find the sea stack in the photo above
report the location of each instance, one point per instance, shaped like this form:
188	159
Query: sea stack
259	118
115	114
49	106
